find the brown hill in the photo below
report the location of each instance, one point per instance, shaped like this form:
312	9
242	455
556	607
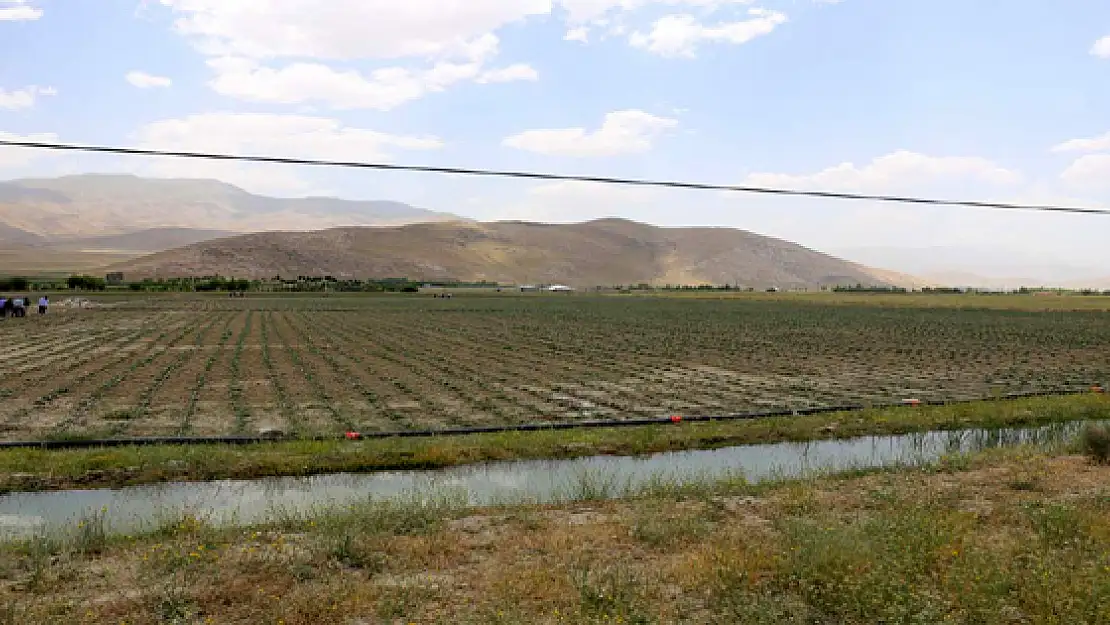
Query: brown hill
140	242
602	252
101	204
10	235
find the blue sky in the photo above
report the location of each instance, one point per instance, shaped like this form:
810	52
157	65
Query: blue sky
1007	101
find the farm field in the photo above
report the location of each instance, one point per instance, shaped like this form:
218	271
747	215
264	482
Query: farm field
203	365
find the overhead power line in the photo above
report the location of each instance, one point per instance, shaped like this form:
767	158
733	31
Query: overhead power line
531	175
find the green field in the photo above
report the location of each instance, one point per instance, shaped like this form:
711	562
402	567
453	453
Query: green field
311	364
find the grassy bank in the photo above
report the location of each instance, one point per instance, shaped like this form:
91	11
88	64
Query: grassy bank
31	469
1002	537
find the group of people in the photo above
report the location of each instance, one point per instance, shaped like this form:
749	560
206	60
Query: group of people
17	306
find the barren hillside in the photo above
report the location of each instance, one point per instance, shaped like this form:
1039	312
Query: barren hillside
608	251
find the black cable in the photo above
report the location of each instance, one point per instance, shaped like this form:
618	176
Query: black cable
561	177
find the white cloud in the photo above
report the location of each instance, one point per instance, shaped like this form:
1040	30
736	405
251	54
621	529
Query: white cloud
1089	172
1101	49
272	135
580	33
14	157
442	43
277	135
143	80
893	172
623	132
594	11
679	35
345	29
515	72
450	43
380	29
24	98
18	11
382	89
1091	144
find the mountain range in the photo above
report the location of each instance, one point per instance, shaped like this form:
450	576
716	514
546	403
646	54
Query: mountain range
599	252
73	207
171	227
985	266
94	221
84	223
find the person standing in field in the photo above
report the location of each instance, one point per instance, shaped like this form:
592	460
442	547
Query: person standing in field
44	302
3	307
19	307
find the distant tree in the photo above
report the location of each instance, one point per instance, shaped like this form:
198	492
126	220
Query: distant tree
87	283
14	283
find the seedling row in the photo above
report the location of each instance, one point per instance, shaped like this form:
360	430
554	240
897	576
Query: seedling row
193	365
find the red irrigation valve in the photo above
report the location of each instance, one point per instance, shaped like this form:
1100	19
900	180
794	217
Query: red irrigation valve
353	436
676	418
911	402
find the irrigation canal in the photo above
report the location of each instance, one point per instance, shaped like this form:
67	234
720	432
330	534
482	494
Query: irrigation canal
545	481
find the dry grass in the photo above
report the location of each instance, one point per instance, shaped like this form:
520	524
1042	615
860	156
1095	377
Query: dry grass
954	544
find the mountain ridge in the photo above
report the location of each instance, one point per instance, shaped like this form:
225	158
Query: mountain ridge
604	251
86	205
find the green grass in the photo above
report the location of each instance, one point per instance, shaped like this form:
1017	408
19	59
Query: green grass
37	469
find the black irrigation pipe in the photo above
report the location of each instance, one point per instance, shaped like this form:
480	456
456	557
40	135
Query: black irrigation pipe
526	427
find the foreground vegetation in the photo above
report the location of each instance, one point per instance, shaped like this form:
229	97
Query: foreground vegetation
1007	536
187	364
36	469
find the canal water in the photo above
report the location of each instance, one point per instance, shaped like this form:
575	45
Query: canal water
541	481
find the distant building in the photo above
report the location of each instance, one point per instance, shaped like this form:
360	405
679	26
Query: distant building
528	287
114	278
559	288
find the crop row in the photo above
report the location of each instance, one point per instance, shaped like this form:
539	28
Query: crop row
184	365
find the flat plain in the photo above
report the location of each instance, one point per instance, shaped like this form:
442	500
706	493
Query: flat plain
185	364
